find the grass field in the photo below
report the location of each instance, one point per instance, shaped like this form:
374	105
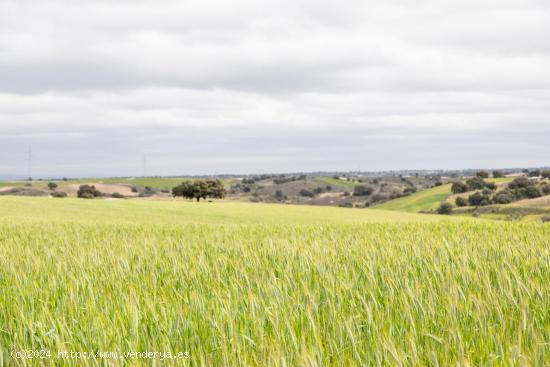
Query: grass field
421	201
338	183
251	284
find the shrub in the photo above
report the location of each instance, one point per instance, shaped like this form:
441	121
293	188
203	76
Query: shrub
545	189
328	188
532	192
318	190
503	198
134	189
545	219
459	187
361	190
482	174
445	208
346	193
306	193
409	190
59	194
117	195
498	174
520	182
438	183
475	183
545	174
478	199
52	186
460	201
88	192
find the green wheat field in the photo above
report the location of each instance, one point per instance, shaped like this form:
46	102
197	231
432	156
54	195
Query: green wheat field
270	285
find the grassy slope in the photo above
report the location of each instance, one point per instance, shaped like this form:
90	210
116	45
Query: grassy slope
423	200
338	183
238	284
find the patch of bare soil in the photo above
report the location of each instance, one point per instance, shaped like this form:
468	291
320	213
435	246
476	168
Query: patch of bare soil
542	202
125	190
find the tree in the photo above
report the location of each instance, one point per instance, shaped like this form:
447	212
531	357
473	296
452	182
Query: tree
503	197
200	189
475	183
306	193
520	182
546	174
459	187
361	190
498	174
478	199
88	192
52	186
445	208
532	192
545	189
460	201
482	174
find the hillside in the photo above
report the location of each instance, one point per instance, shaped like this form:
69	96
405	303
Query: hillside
424	200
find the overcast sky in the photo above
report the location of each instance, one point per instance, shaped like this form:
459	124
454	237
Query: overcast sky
205	87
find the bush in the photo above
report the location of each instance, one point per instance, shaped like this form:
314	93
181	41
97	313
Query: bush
445	208
328	188
545	174
459	187
545	189
545	219
409	190
532	192
88	192
460	201
306	193
482	174
503	198
520	182
362	190
318	190
117	195
498	174
52	186
59	194
478	199
346	193
475	183
134	189
438	183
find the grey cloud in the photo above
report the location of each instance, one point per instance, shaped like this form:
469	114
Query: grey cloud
273	85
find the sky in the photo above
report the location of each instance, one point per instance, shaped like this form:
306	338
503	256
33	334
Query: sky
95	88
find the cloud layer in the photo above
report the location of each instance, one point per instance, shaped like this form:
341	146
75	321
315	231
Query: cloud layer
252	86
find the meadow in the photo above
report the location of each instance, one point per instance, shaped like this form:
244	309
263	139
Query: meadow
280	285
424	200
